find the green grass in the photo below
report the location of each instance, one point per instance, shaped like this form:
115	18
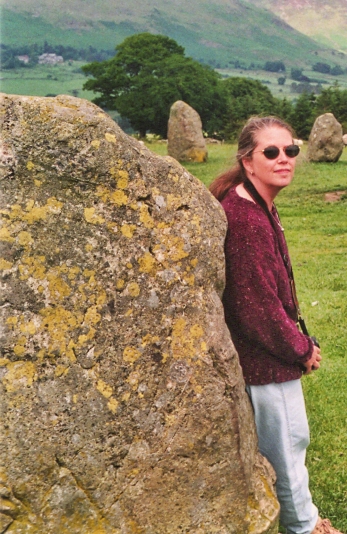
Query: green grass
45	79
316	232
19	29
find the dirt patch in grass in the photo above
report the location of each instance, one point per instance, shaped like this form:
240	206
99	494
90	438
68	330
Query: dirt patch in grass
334	196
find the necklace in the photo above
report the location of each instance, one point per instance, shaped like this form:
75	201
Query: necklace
277	219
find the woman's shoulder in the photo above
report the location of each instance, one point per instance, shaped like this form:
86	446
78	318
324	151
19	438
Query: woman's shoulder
243	209
247	222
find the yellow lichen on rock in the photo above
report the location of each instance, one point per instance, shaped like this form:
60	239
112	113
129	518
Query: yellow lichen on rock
30	166
131	355
92	317
40	213
118	198
128	230
121	176
91	217
59	324
111	138
12	321
20	374
112	405
28	328
57	287
133	289
147	263
184	339
145	217
173	202
5	235
105	389
190	280
25	239
149	339
174	246
32	266
5	265
73	272
120	284
61	370
196	331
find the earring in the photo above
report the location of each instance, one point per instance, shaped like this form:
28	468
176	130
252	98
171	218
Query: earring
252	172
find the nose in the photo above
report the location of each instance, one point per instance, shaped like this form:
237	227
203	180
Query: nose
282	156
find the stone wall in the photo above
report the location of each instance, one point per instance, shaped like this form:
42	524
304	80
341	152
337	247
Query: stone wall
123	407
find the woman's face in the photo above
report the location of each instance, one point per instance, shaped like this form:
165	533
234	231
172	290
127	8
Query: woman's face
270	175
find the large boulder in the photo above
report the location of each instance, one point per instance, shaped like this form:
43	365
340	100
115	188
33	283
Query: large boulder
185	137
325	141
123	408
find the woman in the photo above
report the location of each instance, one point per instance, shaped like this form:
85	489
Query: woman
261	313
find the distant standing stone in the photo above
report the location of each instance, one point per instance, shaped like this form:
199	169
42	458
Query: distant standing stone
325	142
344	139
185	138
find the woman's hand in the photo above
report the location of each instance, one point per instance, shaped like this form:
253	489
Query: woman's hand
313	363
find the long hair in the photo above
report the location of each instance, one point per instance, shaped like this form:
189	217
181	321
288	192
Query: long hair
246	144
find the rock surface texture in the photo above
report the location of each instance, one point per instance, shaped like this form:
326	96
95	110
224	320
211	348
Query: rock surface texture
325	142
185	138
123	407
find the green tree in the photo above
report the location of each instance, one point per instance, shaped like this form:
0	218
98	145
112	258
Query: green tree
147	75
304	115
337	70
298	76
284	109
321	67
245	98
275	66
333	100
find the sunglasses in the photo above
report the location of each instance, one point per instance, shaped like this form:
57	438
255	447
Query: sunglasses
272	152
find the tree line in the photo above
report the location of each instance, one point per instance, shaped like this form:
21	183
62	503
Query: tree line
9	54
324	68
151	72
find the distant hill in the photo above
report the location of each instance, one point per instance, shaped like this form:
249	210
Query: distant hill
218	32
326	22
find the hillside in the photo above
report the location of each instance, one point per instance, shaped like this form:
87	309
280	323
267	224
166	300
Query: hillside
325	22
222	32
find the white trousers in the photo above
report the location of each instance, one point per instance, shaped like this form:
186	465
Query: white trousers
283	435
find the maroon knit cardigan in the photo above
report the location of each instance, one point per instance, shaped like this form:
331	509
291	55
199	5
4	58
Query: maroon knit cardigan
258	303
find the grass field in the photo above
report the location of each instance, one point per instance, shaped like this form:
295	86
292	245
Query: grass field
316	231
270	79
45	80
67	78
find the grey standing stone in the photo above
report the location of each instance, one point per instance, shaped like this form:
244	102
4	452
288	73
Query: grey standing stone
325	141
185	137
123	408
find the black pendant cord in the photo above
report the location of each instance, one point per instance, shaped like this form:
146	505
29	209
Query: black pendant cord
247	184
261	202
